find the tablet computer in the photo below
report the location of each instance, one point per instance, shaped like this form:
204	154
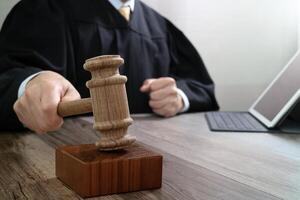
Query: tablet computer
280	96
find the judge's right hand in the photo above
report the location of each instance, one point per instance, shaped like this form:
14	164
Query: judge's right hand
37	107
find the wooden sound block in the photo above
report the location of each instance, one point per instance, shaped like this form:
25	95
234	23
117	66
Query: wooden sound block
90	172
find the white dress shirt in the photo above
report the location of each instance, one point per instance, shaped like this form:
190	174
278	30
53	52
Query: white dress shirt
117	4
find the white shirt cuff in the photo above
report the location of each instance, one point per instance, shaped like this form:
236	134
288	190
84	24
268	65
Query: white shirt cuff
24	83
186	102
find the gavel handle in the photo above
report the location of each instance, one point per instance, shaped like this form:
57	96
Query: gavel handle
77	107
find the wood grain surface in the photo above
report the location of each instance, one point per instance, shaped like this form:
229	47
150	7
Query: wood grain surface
76	107
198	164
90	172
108	102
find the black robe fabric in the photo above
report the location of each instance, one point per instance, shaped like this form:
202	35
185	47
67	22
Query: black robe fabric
59	35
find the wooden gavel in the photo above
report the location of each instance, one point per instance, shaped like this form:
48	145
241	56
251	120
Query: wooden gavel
108	102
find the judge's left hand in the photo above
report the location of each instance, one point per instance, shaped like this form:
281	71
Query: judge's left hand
164	98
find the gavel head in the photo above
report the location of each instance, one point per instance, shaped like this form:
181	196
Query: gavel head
109	102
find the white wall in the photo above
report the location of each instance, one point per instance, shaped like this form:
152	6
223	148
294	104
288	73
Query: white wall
299	25
5	7
243	43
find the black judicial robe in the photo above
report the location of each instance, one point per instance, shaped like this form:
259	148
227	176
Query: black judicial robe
59	35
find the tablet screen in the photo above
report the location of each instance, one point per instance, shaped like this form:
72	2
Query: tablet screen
278	96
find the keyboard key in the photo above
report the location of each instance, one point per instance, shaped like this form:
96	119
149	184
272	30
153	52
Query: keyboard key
234	121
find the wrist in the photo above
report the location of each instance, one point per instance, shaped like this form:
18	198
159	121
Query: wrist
180	103
184	101
24	84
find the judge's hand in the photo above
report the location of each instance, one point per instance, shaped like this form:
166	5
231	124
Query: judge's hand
37	108
164	98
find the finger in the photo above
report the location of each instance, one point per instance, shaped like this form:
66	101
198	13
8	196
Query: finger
163	93
48	119
146	85
71	94
156	104
34	117
65	93
23	111
166	111
161	83
37	108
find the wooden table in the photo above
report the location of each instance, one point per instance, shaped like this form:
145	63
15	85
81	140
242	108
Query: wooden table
198	164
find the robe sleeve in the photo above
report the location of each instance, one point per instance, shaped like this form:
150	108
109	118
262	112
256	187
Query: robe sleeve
31	40
189	71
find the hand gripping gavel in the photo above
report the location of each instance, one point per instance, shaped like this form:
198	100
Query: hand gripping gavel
108	103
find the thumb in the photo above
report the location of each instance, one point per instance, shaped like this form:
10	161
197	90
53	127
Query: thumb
71	94
146	85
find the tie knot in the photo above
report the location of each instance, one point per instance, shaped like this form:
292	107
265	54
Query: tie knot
125	12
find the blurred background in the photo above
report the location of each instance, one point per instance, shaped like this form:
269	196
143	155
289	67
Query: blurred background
244	44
